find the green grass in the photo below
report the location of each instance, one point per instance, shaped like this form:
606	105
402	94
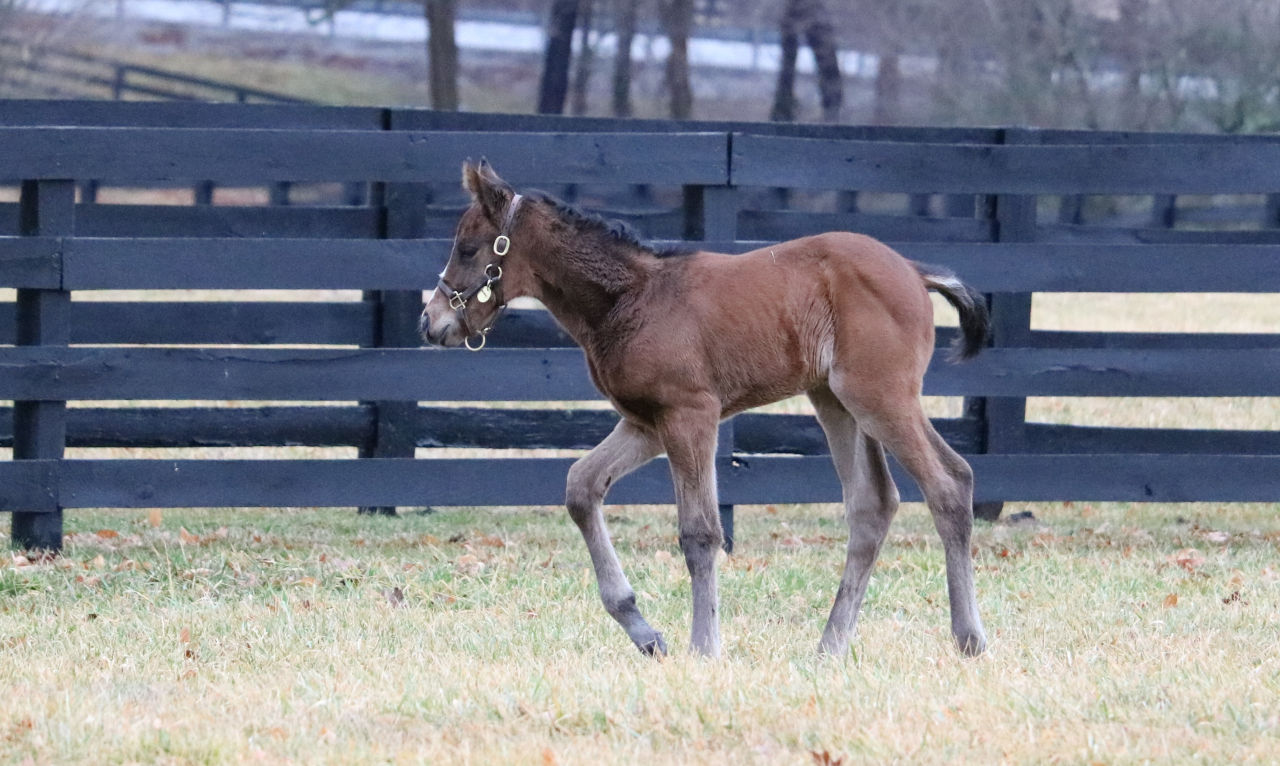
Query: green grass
1118	634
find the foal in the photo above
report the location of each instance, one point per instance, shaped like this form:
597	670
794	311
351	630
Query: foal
679	342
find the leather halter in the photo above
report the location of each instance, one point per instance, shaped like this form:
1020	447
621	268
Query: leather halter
490	288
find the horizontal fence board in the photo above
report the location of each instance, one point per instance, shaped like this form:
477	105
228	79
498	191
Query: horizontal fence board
228	263
160	114
540	481
449	427
169	427
1158	341
1107	235
383	374
104	220
31	262
50	373
1201	168
1036	267
233	263
1033	478
1071	439
1110	372
253	156
198	323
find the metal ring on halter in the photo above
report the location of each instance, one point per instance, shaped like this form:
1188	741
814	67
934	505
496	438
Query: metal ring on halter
484	336
493	277
501	245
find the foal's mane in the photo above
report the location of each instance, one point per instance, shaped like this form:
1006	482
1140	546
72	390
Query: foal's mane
586	222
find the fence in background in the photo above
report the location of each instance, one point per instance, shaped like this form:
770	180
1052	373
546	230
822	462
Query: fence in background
309	198
65	73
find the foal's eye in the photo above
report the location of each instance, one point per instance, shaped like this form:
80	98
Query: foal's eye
467	251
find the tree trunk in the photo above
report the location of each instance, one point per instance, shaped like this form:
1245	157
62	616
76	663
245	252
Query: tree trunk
888	90
784	95
822	41
582	67
442	54
678	21
625	25
554	87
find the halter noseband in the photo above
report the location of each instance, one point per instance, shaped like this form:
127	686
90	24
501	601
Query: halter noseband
484	291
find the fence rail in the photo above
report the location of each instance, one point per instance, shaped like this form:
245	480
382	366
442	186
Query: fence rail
364	200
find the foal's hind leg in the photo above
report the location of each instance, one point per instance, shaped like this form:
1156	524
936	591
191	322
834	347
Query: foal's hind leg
870	501
946	480
625	449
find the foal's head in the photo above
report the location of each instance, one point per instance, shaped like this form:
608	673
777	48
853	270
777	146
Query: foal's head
473	290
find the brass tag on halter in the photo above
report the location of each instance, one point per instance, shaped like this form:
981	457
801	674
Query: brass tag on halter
484	294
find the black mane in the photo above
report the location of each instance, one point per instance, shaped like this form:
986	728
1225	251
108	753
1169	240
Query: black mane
591	223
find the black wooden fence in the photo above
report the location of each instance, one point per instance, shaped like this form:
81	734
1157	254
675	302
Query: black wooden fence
349	189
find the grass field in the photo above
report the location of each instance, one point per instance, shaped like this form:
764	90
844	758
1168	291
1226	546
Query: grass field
1119	634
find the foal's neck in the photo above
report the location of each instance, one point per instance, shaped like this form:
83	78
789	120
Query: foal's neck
581	284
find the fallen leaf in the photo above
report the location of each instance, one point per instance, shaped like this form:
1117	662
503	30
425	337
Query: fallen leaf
825	758
306	581
492	541
185	636
107	534
772	510
662	556
154	517
394	596
1217	537
186	537
1171	600
98	562
1189	559
548	757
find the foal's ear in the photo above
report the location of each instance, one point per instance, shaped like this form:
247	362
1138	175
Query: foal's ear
487	188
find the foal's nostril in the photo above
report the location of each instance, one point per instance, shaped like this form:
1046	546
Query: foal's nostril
424	326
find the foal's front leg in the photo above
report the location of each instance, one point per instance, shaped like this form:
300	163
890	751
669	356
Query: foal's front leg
690	442
625	449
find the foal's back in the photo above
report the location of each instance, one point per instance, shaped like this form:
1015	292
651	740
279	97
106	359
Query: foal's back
770	324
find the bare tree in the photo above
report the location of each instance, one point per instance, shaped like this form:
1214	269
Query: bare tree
586	58
442	53
811	18
624	24
554	86
677	21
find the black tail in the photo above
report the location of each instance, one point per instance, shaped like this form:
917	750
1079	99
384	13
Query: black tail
975	323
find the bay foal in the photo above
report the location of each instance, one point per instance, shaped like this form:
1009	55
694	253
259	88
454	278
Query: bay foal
678	342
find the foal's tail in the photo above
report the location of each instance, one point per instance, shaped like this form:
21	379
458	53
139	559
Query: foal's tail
975	323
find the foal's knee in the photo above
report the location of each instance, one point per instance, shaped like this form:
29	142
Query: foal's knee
700	547
582	494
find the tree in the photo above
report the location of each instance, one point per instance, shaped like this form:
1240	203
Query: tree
811	18
586	58
624	24
442	53
677	22
554	86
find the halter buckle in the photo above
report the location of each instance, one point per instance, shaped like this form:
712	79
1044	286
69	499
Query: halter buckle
457	302
501	245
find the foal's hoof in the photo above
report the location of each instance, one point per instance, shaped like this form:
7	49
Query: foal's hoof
654	647
971	645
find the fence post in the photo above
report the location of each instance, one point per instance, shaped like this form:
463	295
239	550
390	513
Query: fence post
395	424
46	208
1005	417
711	214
